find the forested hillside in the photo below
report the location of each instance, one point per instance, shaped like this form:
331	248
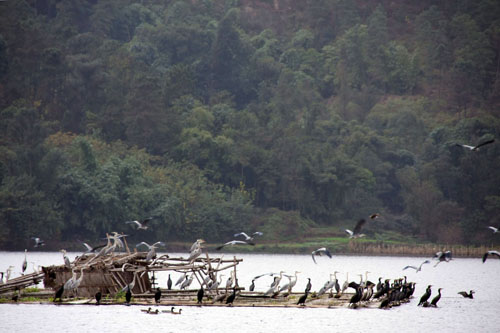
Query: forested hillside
215	117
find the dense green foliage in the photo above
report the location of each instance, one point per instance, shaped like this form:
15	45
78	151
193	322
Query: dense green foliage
220	116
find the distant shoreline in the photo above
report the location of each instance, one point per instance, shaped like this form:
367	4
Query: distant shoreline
351	248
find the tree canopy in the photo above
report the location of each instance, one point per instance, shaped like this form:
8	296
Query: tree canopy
231	115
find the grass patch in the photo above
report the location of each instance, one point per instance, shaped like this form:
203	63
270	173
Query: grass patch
31	290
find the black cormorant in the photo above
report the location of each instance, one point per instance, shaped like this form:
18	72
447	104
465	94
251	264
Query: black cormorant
199	295
59	294
309	286
467	295
426	295
302	299
128	295
98	296
231	298
436	299
357	297
157	295
252	286
169	283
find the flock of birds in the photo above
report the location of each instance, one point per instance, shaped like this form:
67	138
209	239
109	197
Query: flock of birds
388	293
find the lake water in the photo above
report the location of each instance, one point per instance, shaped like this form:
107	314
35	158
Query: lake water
454	314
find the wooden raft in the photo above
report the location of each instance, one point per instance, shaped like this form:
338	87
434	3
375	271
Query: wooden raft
111	274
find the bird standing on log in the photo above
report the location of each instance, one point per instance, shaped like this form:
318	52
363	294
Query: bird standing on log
199	295
98	297
302	299
231	298
169	283
128	296
157	295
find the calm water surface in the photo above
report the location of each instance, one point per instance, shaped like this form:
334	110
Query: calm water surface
454	314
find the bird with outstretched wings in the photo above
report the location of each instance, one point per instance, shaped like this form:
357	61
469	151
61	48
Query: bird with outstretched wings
474	148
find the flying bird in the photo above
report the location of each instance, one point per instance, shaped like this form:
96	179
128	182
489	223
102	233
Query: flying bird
38	241
419	268
141	225
495	253
357	229
152	249
320	252
474	148
234	242
442	256
495	230
249	238
91	249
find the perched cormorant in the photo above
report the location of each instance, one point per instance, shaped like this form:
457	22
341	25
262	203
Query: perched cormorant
157	295
386	303
309	286
169	283
231	298
252	286
302	299
426	295
59	294
467	295
128	295
436	299
98	296
199	295
357	297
